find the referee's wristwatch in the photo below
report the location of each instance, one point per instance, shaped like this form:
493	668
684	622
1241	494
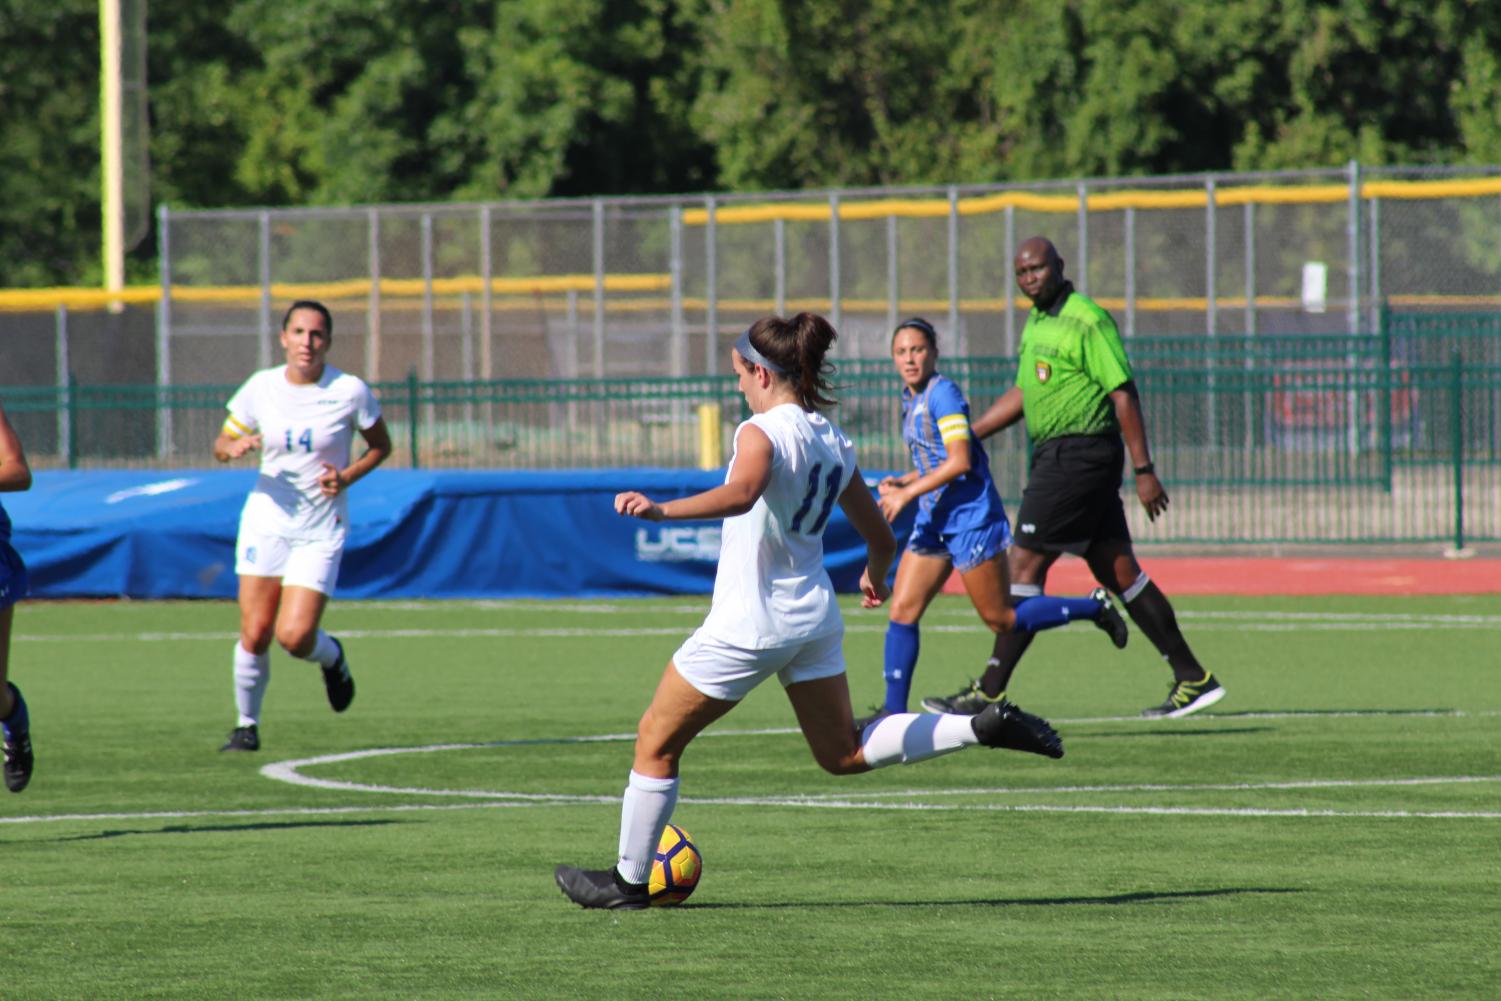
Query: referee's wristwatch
1144	470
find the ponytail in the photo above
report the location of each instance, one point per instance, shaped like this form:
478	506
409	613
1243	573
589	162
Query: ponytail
797	349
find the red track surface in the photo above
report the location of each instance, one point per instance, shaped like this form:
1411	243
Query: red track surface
1290	576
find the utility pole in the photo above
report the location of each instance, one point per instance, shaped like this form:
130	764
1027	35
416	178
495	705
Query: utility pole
110	146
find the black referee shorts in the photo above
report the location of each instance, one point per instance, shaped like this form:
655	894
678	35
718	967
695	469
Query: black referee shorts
1072	498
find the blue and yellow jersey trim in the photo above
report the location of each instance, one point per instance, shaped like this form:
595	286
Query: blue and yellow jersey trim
954	427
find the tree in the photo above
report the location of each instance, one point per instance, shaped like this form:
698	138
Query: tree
815	94
49	142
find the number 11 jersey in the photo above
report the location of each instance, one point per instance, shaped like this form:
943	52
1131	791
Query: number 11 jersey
771	588
301	428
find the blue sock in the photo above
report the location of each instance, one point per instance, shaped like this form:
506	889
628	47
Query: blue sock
17	721
901	658
1046	612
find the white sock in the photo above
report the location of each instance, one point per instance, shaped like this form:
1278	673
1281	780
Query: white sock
252	673
644	810
908	737
325	650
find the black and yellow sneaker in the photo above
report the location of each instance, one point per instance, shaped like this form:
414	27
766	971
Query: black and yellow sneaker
243	738
1110	620
338	682
1188	697
602	888
1004	724
965	702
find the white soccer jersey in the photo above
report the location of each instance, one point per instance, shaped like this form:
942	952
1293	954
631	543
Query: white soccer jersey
771	588
301	428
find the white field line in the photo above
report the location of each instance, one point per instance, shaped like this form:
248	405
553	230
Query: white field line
290	772
849	804
912	799
1209	621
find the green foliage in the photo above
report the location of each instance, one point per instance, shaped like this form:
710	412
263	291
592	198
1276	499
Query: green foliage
49	140
820	94
282	102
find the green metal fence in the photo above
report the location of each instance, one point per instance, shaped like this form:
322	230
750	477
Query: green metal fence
1390	437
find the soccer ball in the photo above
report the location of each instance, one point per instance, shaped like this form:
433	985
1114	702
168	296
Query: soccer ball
675	869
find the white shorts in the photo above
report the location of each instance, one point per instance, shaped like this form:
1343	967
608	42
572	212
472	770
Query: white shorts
722	671
309	563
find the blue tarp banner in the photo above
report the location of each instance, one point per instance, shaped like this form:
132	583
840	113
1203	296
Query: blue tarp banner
413	534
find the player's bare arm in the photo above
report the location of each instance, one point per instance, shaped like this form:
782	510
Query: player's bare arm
954	465
378	449
750	472
890	483
1149	489
15	471
865	516
1001	414
232	443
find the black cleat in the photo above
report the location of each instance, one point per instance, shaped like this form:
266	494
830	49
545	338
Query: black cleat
338	682
243	738
965	702
1003	724
876	714
601	888
18	756
1110	620
1187	697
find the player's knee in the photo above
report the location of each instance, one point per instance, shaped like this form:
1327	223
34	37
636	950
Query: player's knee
841	759
296	640
842	764
906	611
652	754
1002	621
256	637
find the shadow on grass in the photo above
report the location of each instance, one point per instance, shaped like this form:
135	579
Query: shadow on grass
1171	732
1139	897
1257	713
222	828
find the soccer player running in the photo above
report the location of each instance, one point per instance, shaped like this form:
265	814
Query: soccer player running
15	723
1074	388
774	611
961	524
302	416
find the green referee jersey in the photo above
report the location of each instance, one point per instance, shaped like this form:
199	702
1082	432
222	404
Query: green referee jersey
1071	359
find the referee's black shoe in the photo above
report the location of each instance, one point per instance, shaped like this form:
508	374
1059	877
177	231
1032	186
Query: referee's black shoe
601	888
1187	697
338	682
1004	724
1110	620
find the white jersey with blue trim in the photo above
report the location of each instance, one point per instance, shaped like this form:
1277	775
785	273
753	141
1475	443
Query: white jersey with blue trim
301	428
772	589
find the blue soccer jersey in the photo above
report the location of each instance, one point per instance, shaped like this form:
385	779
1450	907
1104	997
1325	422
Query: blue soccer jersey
937	414
13	578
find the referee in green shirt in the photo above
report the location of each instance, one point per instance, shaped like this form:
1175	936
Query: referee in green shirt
1074	389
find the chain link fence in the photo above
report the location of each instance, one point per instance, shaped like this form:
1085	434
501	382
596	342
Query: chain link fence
593	332
658	287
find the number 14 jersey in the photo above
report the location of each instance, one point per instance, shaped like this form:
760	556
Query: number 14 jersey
301	428
771	588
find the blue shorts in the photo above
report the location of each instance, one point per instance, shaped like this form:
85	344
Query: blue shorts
967	549
13	579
